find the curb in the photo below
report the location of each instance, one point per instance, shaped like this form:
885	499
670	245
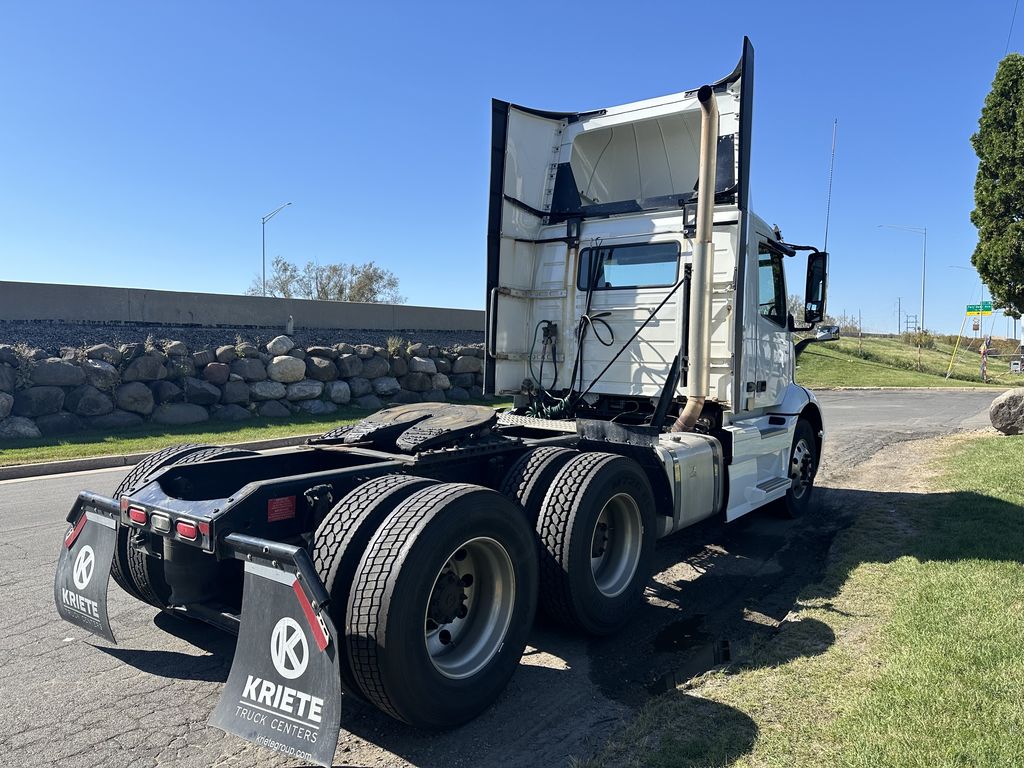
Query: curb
906	389
41	469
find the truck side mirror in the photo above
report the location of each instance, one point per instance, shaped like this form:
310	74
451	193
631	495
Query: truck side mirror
817	287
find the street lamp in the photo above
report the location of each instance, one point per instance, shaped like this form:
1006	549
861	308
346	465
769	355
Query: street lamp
924	257
264	221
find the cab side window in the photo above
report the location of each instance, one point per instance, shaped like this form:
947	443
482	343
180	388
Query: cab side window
771	294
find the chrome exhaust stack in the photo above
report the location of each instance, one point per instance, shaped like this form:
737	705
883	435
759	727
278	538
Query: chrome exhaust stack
698	380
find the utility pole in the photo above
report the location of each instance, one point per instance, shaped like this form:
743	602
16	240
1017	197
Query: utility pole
924	263
263	222
899	314
860	333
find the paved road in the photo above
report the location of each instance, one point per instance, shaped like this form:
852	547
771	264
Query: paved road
68	699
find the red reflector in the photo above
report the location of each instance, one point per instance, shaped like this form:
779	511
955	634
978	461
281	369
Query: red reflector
187	530
136	515
204	528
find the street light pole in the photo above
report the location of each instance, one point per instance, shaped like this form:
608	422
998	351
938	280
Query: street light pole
924	262
263	222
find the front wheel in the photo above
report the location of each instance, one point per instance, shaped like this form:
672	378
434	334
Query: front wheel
803	465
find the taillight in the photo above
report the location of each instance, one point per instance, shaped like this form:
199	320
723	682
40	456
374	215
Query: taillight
187	530
137	515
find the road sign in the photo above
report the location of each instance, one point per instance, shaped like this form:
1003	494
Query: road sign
985	308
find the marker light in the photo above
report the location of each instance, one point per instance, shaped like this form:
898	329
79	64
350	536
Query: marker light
137	515
187	530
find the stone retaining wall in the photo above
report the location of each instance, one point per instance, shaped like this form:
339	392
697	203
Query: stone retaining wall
109	388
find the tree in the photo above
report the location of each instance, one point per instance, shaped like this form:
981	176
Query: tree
999	187
330	282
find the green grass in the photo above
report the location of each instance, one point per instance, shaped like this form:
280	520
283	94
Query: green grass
152	437
881	362
909	652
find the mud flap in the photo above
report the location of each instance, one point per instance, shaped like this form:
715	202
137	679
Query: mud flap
284	689
83	569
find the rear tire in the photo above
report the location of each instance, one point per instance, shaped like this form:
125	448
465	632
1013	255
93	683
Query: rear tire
342	537
597	532
441	605
528	480
803	466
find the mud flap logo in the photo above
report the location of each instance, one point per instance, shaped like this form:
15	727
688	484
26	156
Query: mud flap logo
83	566
284	689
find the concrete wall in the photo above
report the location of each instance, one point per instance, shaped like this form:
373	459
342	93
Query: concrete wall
90	304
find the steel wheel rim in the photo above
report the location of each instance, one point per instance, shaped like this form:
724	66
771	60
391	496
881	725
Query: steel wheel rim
615	545
462	646
800	467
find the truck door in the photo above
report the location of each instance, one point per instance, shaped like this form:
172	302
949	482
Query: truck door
774	349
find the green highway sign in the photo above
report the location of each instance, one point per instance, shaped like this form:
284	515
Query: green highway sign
985	308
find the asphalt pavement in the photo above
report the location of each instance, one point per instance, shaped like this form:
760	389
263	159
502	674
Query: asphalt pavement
70	699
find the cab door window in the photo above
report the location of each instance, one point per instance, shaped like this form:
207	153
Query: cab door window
771	281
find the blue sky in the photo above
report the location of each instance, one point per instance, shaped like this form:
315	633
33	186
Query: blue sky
143	142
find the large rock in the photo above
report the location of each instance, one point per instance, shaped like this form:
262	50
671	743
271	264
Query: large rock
86	400
329	352
60	423
417	382
38	401
234	392
443	366
100	374
179	367
131	351
458	395
201	392
317	407
174	414
204	357
135	397
349	365
8	378
226	354
247	350
286	369
145	368
422	365
166	392
440	381
177	348
231	412
249	369
321	369
467	364
274	409
399	367
307	389
419	350
345	349
1007	412
105	353
368	402
365	351
360	386
299	353
434	396
404	396
281	345
375	367
55	372
462	380
338	392
267	390
15	427
6	403
217	373
115	420
386	386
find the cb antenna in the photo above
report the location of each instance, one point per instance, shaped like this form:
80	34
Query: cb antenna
831	166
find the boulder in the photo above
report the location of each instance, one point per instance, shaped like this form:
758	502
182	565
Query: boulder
298	353
476	392
307	389
286	369
399	367
345	349
321	369
247	350
201	392
100	374
179	367
434	396
38	401
280	345
217	373
404	396
145	368
458	395
468	352
15	427
54	372
86	400
375	367
419	350
249	369
166	392
135	397
359	386
443	365
174	414
365	351
386	386
274	409
6	403
368	402
440	381
205	357
467	364
176	348
59	423
326	352
231	412
104	353
462	380
8	378
267	390
38	354
226	354
234	392
417	382
349	365
338	392
9	356
419	364
317	407
1007	412
115	420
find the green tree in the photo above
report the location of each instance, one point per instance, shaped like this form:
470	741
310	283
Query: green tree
330	282
999	187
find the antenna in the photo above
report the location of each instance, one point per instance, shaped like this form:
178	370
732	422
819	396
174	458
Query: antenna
831	165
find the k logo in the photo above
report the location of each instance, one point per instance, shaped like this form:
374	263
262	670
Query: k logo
288	648
84	565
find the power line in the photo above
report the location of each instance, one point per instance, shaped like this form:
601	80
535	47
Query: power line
1010	33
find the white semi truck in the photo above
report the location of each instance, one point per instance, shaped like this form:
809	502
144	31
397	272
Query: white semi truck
636	315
